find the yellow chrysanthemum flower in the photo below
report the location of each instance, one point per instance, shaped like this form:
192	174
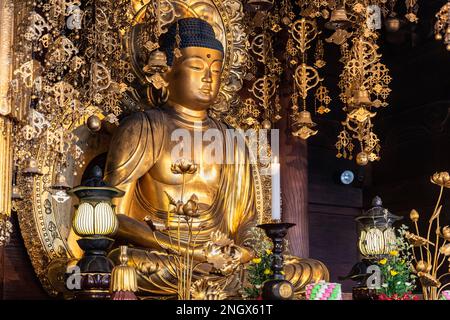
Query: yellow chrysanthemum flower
394	253
383	261
268	251
267	271
394	273
256	260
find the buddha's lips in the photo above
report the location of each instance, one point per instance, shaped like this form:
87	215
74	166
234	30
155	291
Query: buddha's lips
206	90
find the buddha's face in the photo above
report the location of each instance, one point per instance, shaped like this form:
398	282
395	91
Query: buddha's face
194	78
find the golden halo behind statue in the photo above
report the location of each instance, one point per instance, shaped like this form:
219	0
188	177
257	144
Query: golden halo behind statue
225	19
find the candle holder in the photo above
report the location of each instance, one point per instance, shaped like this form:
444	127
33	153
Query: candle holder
277	288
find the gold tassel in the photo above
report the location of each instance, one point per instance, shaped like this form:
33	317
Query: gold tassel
123	278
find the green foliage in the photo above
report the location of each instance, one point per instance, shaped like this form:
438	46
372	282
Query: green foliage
258	272
396	268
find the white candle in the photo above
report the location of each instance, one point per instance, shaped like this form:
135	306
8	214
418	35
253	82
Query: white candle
276	192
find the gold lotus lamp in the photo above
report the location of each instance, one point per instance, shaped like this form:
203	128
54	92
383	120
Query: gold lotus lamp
95	222
94	216
376	239
377	234
15	192
338	19
123	279
303	125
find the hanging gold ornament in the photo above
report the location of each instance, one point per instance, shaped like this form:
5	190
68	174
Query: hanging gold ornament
94	123
364	86
303	124
259	5
306	77
264	101
31	168
412	6
442	25
338	19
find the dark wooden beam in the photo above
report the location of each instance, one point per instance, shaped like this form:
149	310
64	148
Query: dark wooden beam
294	185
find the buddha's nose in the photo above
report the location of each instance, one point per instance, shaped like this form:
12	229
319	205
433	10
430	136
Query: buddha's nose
207	76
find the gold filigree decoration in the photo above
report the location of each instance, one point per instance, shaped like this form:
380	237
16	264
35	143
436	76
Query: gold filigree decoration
306	78
364	86
442	25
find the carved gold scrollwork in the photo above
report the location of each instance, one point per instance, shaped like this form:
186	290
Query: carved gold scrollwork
38	26
306	78
100	76
264	88
303	31
258	47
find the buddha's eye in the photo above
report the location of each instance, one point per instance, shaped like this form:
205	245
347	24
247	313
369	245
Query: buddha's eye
196	68
216	68
195	65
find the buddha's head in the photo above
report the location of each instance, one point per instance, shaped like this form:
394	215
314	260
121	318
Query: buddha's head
193	77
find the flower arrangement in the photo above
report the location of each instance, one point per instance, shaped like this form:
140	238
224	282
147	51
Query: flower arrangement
398	280
258	271
259	268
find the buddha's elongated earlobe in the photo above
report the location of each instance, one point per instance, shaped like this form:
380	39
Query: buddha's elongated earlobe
157	97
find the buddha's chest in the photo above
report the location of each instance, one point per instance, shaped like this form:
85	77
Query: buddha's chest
192	148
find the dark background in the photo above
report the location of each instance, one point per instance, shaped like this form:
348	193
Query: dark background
415	140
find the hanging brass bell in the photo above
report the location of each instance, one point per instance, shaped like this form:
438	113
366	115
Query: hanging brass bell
31	168
60	183
304	119
303	125
16	194
157	63
361	98
259	5
338	19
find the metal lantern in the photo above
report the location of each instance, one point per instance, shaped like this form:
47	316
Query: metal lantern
95	222
377	235
95	217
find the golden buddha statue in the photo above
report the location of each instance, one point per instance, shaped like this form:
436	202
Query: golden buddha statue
139	162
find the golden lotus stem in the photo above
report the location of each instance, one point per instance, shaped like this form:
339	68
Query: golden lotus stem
420	248
430	225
